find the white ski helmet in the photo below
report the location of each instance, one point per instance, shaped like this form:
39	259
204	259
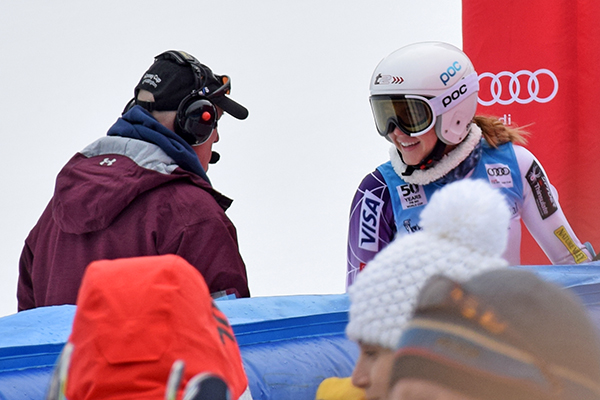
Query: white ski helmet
424	85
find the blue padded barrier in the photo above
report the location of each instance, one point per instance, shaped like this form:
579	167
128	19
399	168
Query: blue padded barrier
289	344
582	279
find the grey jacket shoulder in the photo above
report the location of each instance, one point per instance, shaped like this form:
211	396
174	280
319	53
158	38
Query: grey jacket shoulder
144	154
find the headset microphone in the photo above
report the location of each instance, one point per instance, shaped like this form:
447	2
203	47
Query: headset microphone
214	157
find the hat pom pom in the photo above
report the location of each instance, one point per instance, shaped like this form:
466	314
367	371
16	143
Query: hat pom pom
471	213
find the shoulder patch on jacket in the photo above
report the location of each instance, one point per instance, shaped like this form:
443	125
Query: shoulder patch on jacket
541	191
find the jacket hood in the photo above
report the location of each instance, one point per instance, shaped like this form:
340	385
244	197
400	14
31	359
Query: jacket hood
138	123
135	317
137	155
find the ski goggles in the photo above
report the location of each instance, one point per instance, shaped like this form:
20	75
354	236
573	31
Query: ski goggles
207	83
224	89
415	115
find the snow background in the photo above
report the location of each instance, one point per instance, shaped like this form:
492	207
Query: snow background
302	68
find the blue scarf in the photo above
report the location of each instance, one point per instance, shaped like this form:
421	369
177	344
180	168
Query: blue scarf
139	124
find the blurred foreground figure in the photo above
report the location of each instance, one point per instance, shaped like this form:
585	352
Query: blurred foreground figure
142	322
465	229
503	334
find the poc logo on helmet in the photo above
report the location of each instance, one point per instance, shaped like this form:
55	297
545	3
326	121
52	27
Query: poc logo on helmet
455	95
450	72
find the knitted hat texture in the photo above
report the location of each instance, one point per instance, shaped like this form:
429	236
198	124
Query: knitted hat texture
503	334
465	232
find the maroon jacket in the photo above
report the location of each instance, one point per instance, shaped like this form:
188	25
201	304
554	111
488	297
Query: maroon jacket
119	198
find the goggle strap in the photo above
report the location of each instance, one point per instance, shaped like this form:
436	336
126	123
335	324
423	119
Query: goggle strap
201	73
446	102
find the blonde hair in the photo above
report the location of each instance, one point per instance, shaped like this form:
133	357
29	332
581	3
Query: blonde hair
496	133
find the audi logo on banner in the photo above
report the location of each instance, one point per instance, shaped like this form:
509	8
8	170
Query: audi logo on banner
501	171
518	92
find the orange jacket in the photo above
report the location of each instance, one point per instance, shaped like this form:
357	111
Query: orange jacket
135	317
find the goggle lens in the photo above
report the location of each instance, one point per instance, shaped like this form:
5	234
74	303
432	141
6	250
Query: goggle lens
415	115
412	115
226	83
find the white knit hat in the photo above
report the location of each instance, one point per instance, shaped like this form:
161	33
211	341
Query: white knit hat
465	231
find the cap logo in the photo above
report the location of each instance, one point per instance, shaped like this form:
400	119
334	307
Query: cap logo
151	79
388	80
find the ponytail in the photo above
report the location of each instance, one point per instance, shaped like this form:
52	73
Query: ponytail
496	133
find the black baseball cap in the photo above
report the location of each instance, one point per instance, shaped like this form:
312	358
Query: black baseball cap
174	75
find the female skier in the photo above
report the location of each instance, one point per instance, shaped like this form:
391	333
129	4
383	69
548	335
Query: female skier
424	98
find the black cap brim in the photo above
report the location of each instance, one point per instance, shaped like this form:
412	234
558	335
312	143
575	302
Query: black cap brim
232	108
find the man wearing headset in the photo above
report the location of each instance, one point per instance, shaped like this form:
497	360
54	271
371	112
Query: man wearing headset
142	190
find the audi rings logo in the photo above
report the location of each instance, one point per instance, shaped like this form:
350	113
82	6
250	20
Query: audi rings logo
522	87
498	171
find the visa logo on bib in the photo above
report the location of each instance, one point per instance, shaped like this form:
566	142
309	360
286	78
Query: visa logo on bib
370	211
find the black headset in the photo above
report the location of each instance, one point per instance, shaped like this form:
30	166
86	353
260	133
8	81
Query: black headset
197	116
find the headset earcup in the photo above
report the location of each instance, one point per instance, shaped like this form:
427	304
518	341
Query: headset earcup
196	119
180	120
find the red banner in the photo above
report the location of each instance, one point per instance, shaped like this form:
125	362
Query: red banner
539	67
